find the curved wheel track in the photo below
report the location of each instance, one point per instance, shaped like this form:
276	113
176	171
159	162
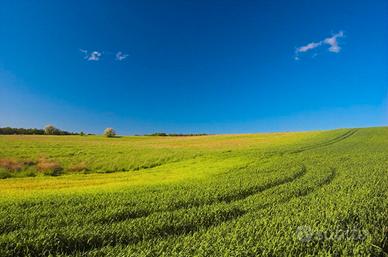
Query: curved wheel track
226	211
236	196
335	140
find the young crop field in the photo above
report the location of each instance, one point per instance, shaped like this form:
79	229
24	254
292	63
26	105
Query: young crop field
321	193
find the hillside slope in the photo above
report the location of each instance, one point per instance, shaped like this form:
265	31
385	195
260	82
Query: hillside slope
280	194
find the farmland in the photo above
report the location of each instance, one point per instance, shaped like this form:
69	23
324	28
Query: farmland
320	193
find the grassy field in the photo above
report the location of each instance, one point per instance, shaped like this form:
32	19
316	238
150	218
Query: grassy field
322	193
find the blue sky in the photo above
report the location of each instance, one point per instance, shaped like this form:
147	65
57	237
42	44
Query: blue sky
194	66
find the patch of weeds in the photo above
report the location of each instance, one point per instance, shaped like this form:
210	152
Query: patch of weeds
79	167
10	164
5	173
49	167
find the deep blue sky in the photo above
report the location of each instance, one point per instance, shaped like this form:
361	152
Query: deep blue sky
193	66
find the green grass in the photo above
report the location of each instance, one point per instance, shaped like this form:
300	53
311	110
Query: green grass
322	193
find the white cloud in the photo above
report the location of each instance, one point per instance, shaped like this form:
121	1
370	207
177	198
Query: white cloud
96	55
331	41
308	47
121	56
93	56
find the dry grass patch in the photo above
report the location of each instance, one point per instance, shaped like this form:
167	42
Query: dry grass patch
49	167
11	164
78	167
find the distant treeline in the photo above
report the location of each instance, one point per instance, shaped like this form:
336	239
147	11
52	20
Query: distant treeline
32	131
51	130
174	135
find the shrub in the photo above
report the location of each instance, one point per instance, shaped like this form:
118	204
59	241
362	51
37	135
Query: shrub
109	132
82	133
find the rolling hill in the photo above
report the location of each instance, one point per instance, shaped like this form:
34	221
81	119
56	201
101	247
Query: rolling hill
320	193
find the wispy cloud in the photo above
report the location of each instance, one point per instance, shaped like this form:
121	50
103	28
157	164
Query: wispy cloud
121	56
331	41
97	55
93	56
308	47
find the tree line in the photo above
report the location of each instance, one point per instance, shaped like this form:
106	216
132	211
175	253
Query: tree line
51	130
48	130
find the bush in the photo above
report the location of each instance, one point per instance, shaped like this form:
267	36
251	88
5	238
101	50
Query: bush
109	132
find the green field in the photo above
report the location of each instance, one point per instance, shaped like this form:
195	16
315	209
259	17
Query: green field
321	193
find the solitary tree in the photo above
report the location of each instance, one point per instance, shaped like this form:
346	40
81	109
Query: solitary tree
109	132
51	130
